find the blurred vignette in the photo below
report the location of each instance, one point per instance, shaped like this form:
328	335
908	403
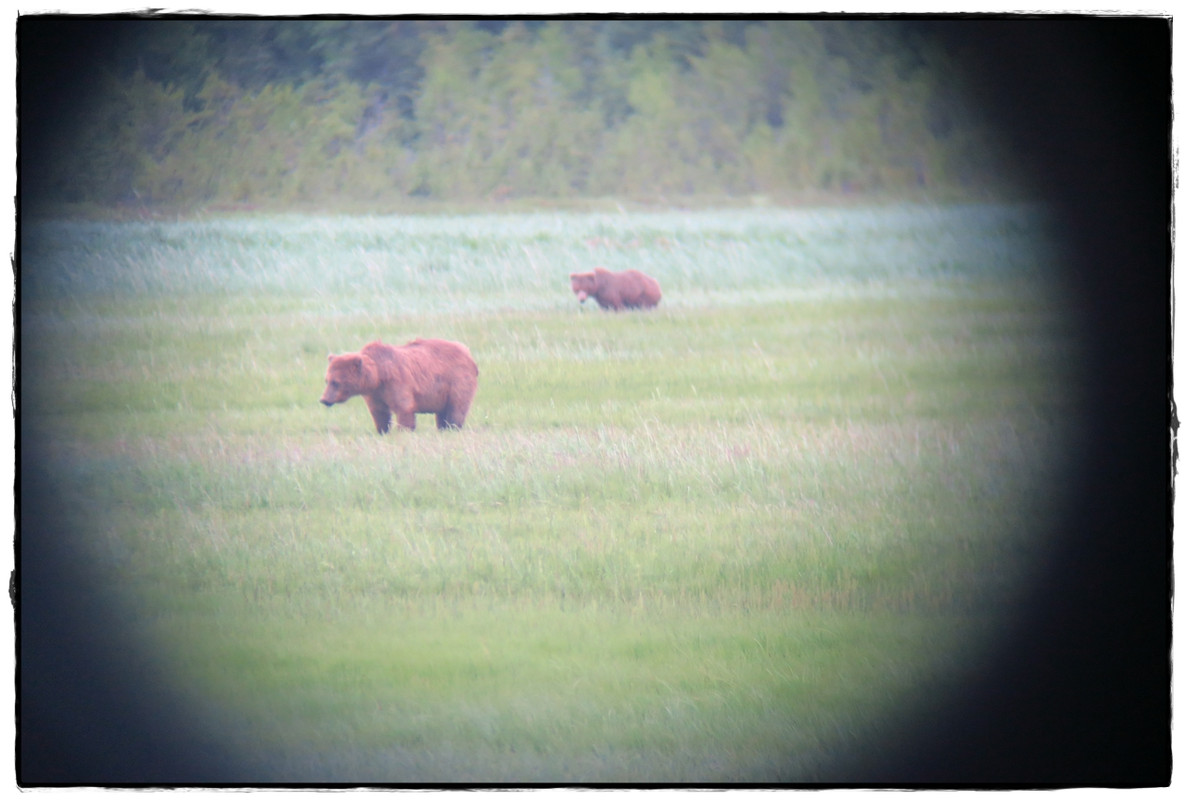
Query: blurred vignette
1080	696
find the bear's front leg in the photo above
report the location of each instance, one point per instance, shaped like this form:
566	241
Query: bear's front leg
380	413
406	419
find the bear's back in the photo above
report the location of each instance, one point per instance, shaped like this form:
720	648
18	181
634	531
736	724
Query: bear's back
443	352
378	351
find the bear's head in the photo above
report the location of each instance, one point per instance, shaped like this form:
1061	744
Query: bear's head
584	284
348	375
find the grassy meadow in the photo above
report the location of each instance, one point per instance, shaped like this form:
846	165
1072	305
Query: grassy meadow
738	538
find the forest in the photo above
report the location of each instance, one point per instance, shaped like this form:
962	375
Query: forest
183	113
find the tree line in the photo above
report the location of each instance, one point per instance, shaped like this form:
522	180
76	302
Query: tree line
297	112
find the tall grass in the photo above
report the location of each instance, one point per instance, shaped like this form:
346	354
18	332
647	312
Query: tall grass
731	539
400	264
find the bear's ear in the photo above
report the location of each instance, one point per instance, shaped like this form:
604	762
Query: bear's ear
330	357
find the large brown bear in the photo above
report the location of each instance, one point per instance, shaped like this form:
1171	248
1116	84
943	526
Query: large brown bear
616	290
425	376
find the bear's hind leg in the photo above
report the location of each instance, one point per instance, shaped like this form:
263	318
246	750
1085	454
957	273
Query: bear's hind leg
449	419
454	414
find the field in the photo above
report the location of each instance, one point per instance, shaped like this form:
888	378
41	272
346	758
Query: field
739	538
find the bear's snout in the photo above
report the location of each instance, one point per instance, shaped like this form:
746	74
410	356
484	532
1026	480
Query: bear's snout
327	403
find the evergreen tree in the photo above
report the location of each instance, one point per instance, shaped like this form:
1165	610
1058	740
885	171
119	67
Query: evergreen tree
320	111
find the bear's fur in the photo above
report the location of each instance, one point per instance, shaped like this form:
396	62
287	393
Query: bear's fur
616	290
425	376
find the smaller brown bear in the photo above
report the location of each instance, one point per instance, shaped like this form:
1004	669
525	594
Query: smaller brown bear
616	290
425	376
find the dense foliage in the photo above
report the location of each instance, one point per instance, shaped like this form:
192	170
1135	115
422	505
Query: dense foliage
367	112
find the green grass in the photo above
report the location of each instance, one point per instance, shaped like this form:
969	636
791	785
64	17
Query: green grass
730	539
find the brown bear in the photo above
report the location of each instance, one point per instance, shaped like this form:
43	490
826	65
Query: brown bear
425	376
616	290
